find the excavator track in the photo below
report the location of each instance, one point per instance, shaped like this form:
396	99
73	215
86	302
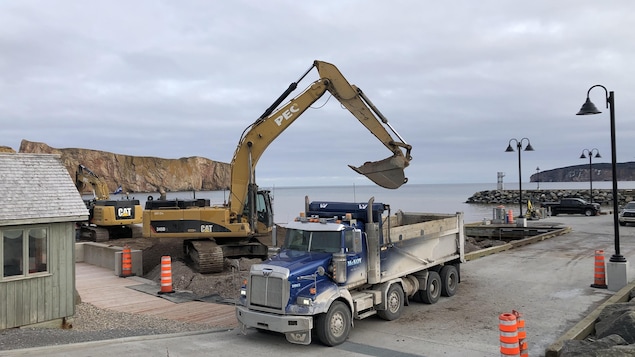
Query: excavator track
95	234
206	256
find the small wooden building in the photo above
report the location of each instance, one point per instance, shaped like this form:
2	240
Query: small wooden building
39	205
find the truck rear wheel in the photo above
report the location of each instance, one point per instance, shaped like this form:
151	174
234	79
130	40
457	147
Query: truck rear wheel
449	280
432	293
333	327
394	303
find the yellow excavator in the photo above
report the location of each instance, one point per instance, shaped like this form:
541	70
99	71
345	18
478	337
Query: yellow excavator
107	218
212	233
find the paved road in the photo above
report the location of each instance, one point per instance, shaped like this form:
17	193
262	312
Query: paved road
547	281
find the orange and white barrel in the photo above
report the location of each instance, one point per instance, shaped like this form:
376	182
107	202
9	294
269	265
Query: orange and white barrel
508	335
166	275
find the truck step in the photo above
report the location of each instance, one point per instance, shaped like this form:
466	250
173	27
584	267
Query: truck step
365	314
364	302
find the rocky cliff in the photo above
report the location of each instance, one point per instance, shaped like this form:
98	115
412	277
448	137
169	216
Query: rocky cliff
580	173
140	173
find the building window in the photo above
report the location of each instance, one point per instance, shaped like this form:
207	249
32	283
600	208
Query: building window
13	244
24	251
38	243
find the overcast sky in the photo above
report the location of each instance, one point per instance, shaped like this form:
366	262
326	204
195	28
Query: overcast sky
457	80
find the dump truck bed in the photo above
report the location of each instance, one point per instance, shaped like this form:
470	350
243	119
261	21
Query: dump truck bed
417	241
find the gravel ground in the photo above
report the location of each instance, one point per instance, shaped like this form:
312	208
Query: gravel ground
91	323
94	324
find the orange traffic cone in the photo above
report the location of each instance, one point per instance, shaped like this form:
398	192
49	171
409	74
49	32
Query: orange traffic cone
599	275
126	262
508	335
166	275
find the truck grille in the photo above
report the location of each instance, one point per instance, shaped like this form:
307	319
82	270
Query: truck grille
268	288
266	292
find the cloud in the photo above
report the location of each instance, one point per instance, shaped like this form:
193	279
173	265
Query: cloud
456	81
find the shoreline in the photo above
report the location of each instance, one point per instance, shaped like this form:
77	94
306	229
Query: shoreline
602	196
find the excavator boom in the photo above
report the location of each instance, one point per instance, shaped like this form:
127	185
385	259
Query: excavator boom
86	178
389	172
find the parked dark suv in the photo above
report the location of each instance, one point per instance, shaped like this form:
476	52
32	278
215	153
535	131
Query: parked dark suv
572	206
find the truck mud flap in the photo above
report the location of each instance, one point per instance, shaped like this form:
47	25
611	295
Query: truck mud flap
387	173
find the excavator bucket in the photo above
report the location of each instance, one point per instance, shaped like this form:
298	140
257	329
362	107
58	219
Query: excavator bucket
387	173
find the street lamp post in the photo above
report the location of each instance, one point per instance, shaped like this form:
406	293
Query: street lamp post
528	147
617	267
597	156
537	178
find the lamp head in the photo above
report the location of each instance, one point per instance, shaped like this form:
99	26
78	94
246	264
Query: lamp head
509	148
583	156
588	108
597	156
529	147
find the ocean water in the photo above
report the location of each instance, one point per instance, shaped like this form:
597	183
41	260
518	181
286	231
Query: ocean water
288	202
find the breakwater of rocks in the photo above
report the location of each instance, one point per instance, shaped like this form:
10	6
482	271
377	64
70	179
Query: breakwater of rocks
602	196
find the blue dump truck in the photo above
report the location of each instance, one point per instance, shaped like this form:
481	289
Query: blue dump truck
347	261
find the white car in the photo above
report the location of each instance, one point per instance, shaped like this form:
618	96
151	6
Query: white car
627	214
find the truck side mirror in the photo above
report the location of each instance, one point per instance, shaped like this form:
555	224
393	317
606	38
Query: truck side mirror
321	271
357	240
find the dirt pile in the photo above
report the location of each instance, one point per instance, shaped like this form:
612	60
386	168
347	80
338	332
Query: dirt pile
473	244
226	284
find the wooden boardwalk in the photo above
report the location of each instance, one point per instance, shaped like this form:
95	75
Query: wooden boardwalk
102	288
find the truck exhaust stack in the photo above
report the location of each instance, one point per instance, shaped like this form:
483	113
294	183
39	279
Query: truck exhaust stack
387	173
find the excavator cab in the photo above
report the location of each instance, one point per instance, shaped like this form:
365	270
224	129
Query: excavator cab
262	219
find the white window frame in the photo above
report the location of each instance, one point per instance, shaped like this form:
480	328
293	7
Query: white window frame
25	252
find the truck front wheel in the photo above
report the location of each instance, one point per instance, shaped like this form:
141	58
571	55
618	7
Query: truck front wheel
333	327
589	212
394	303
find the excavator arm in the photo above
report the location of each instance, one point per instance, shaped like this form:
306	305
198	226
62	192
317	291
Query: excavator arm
388	173
84	177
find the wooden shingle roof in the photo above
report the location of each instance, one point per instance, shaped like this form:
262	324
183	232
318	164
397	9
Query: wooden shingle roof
36	188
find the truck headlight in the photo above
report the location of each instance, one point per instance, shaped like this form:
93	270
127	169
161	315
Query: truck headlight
243	288
304	301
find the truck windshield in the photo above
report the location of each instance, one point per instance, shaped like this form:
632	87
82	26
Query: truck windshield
313	241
